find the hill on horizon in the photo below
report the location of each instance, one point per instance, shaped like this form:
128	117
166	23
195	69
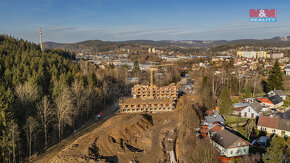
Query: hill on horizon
99	45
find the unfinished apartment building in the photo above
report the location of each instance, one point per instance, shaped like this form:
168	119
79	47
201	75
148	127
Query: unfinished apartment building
133	105
143	92
150	99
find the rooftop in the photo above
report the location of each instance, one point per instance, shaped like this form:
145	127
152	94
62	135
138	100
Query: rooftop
225	138
276	99
214	118
284	124
256	106
266	121
239	105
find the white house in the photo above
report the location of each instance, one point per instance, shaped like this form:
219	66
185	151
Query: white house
274	125
287	70
277	92
229	144
252	111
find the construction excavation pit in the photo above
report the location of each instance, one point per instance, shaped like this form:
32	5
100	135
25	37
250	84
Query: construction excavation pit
123	138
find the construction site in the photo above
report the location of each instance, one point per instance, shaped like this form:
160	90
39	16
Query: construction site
141	137
150	98
122	138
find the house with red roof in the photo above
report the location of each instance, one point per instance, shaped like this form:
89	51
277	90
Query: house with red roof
271	101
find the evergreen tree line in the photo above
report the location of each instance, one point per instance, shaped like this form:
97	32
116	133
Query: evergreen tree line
44	97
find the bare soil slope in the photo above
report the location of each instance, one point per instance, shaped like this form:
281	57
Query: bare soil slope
122	138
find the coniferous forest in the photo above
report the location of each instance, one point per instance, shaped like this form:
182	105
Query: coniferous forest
44	97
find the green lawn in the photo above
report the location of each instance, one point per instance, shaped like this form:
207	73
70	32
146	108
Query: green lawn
233	119
260	94
242	131
287	101
287	92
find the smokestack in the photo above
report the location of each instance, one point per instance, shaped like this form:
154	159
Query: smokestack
40	40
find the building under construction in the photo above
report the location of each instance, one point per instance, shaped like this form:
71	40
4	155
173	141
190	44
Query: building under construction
167	92
145	99
150	98
132	105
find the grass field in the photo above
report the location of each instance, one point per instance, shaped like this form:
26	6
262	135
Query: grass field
287	101
232	119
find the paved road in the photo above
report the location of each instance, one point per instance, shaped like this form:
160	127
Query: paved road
90	126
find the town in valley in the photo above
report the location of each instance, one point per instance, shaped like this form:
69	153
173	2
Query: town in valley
101	81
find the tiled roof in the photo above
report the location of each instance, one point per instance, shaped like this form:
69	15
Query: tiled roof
271	122
284	124
285	115
241	105
286	67
279	92
214	118
216	128
276	99
256	106
225	138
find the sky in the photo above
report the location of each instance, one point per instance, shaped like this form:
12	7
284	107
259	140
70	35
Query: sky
68	21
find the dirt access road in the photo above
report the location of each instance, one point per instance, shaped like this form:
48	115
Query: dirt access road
91	125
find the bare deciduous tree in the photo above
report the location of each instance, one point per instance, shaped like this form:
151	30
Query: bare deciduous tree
255	83
45	113
13	136
79	96
30	128
63	110
26	93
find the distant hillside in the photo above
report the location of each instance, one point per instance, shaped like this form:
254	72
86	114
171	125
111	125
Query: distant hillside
98	45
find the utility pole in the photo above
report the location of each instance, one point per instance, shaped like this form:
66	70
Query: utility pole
40	40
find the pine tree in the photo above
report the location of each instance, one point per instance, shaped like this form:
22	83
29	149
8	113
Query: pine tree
275	80
136	68
274	152
225	102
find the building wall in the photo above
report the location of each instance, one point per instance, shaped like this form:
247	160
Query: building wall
143	91
239	151
249	112
287	72
140	110
274	131
253	54
277	55
280	104
232	152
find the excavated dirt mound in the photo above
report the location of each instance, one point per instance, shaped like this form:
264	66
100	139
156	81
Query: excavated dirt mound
122	138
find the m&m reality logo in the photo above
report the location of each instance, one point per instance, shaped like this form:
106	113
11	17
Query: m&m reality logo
263	15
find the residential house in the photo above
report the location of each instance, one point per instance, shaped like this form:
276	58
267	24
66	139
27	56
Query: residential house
271	101
212	120
249	100
251	111
215	129
274	125
238	107
229	144
277	92
287	70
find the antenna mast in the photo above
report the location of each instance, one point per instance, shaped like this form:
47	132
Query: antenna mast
40	40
